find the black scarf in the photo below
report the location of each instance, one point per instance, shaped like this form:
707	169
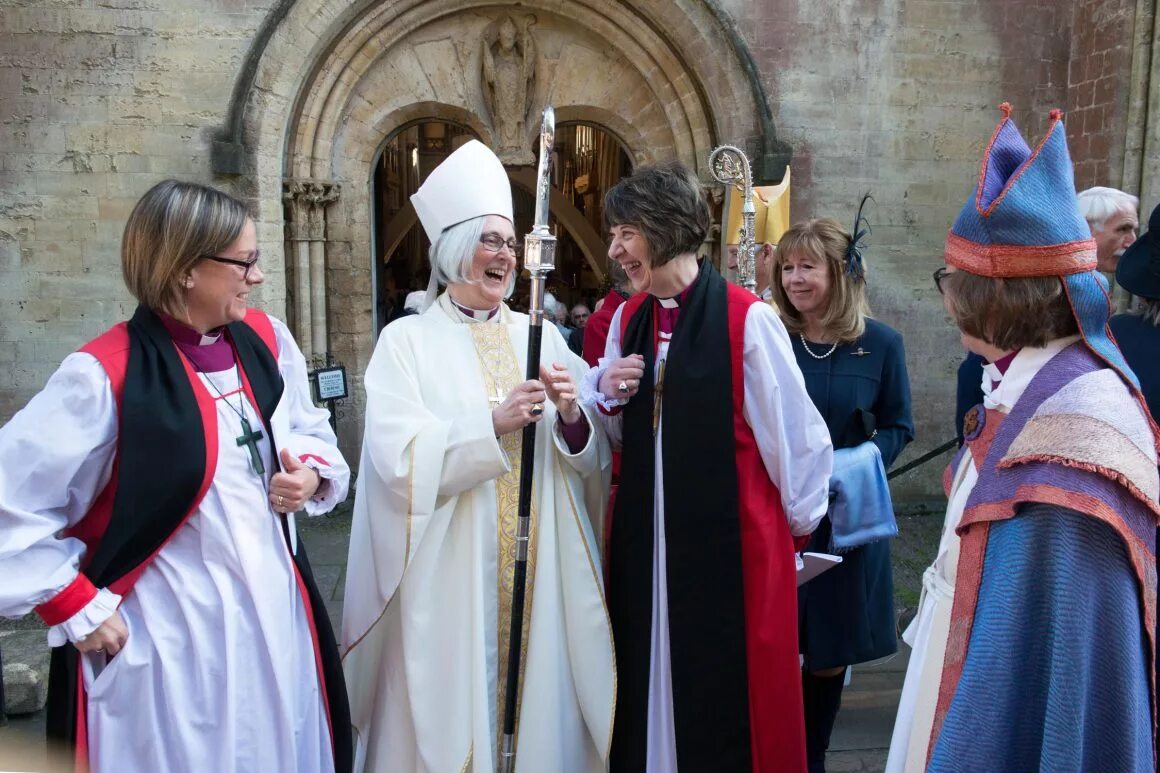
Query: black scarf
703	542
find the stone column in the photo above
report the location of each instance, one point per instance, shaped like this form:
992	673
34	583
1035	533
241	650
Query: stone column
1142	143
306	202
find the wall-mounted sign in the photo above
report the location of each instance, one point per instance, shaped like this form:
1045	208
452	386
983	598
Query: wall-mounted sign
331	383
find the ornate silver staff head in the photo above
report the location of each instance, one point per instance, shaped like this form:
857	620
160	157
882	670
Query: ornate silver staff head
540	245
731	168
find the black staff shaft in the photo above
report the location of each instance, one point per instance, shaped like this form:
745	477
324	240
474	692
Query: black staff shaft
539	254
523	532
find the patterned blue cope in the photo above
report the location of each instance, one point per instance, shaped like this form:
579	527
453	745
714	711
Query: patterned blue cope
1041	663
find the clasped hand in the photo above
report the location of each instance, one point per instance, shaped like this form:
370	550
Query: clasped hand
519	409
109	637
291	488
626	372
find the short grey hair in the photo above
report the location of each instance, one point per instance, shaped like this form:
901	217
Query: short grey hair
1099	203
451	255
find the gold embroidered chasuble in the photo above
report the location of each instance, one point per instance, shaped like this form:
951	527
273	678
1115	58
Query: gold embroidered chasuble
501	374
429	581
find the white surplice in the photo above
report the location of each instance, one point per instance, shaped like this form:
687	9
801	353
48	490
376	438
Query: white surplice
927	633
218	671
420	624
795	448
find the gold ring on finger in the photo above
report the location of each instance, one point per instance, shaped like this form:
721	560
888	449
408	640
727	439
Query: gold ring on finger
280	500
537	409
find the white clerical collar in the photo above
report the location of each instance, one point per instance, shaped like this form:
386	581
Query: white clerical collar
668	303
1009	387
208	339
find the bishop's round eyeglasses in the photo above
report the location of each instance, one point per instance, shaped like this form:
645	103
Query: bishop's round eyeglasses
245	264
494	243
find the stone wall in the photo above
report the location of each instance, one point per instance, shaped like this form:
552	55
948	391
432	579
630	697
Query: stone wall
1098	90
99	99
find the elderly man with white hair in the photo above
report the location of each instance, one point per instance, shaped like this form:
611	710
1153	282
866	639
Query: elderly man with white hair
1111	216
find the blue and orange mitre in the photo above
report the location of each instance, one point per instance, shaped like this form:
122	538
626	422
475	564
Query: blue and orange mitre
1024	221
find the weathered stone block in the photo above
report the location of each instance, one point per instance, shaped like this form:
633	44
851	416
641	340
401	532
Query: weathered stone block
25	655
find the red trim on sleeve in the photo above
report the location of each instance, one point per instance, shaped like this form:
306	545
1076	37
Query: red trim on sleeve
307	457
614	410
68	602
799	543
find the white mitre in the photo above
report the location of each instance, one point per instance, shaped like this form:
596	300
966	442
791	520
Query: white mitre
470	183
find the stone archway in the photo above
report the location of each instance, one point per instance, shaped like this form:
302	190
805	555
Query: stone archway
335	78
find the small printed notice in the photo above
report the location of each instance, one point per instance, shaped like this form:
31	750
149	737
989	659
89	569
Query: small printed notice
331	383
810	565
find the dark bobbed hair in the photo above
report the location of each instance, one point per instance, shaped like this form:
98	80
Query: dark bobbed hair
666	203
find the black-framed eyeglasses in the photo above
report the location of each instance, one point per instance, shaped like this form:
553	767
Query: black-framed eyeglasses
940	274
495	243
245	264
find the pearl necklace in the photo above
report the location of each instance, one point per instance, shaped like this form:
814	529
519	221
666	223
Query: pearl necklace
810	353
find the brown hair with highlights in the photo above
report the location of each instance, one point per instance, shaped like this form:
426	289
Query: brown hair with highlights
173	226
1009	313
825	240
666	203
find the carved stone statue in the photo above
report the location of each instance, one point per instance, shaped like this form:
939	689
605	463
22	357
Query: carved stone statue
509	71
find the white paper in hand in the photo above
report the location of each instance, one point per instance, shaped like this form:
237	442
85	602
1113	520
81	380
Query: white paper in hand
810	565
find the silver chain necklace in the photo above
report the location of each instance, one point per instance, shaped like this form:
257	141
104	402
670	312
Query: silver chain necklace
811	353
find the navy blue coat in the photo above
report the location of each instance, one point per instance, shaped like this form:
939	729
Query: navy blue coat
1139	340
846	615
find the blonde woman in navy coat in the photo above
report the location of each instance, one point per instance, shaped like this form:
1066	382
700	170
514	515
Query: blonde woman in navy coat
855	372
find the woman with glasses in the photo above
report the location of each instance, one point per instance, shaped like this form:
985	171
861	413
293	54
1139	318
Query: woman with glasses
1033	644
145	497
429	584
855	373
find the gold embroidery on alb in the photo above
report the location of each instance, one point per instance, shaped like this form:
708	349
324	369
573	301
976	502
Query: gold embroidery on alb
501	370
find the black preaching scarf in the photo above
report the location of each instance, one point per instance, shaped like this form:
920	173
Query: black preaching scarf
161	447
703	542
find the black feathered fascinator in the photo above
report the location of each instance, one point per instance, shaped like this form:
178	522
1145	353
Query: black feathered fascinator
855	266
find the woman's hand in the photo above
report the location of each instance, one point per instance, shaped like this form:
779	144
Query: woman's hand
562	392
625	372
109	637
292	488
523	406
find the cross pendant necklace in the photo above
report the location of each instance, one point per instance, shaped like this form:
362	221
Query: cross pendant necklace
249	436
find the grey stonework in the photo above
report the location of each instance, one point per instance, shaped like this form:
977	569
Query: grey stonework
99	100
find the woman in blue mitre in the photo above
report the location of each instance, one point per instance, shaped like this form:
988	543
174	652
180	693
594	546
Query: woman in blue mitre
1034	641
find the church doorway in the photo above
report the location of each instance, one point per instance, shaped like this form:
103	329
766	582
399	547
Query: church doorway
589	160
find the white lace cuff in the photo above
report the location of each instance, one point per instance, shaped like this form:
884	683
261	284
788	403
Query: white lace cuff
80	625
325	497
590	394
